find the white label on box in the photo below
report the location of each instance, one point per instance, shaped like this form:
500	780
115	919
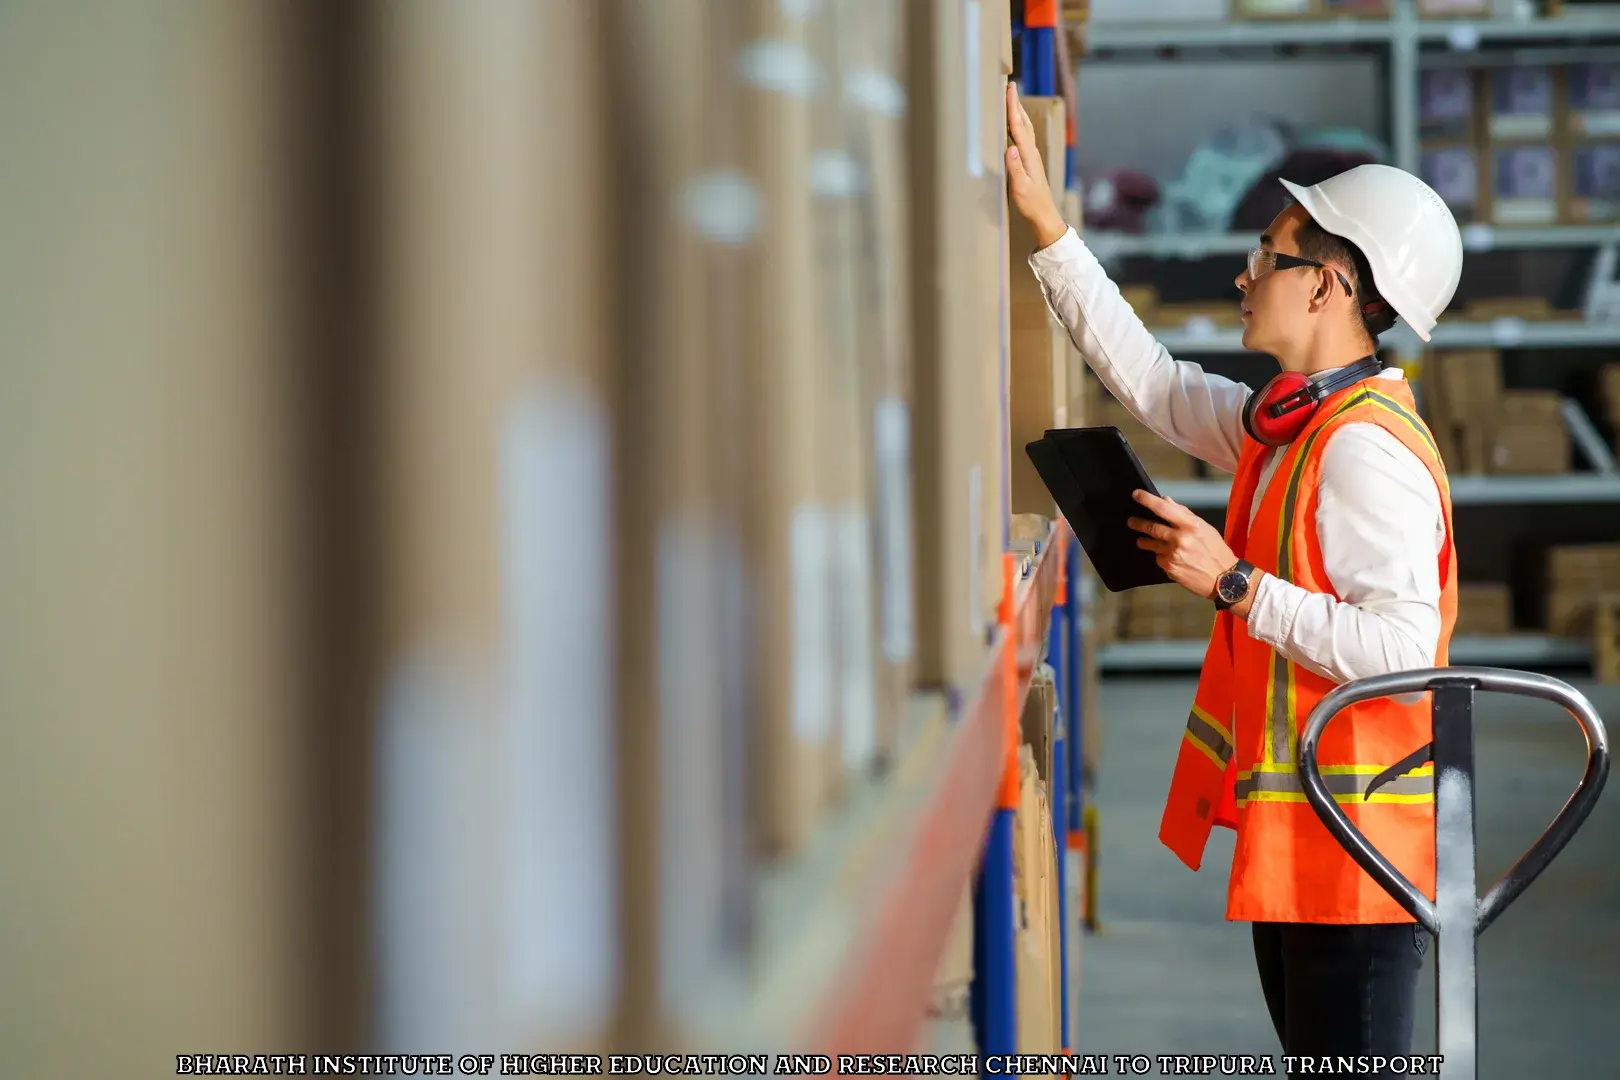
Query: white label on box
876	91
691	793
723	206
1601	124
970	79
782	66
1521	127
892	449
1525	211
812	623
854	592
835	174
976	550
466	775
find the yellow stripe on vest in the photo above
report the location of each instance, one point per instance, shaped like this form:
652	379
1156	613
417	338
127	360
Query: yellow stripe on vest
1346	783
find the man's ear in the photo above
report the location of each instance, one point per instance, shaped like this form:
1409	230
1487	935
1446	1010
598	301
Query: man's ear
1324	287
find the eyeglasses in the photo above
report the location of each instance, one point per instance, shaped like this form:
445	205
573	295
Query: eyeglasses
1263	261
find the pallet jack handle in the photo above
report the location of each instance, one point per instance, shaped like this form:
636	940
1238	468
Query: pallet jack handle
1456	916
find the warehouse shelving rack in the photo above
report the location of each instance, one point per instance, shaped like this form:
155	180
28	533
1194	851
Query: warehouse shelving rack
863	915
1409	44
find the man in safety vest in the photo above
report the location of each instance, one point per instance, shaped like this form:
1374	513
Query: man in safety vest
1336	563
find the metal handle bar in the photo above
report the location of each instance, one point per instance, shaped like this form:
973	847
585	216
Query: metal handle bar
1449	785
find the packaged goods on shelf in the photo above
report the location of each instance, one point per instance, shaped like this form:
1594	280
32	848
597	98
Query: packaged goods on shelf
1036	936
1159	458
1530	437
1523	103
1040	345
1606	639
1524	184
1593	110
1165	613
1448	104
1484	608
1454	171
1444	9
1462	394
1528	308
1309	9
953	979
958	253
1609	389
872	43
993	300
1592	172
1036	723
1576	575
791	536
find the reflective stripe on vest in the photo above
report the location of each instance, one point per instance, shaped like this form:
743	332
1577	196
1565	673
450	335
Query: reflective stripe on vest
1209	736
1346	783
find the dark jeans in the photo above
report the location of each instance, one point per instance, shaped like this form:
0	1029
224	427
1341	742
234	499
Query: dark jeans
1340	989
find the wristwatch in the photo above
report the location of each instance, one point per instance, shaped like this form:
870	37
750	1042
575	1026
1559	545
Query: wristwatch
1232	586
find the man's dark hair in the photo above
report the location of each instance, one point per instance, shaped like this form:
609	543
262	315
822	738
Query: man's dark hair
1319	245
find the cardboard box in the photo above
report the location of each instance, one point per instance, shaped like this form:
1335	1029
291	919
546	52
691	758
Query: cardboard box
1531	408
1449	104
1584	567
1464	385
1035	897
1606	639
1593	96
1529	449
791	537
1484	608
953	979
1529	308
1524	184
1592	173
1609	390
1039	347
1039	713
953	444
1523	103
1456	175
1569	612
1446	9
873	44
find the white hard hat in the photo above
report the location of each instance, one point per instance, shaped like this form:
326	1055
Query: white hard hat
1405	230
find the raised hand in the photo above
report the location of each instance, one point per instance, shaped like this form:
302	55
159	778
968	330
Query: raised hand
1026	176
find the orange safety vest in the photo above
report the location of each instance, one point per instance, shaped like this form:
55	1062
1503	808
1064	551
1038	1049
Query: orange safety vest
1238	761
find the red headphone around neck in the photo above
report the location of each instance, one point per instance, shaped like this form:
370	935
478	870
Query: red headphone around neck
1279	411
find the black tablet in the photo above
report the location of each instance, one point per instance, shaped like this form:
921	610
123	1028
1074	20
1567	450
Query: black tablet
1090	473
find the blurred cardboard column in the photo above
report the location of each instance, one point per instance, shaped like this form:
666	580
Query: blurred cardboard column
685	219
496	824
152	685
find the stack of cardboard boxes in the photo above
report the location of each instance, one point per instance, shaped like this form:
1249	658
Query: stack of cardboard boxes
1482	428
1484	609
1310	9
1531	144
1164	613
1162	460
1576	576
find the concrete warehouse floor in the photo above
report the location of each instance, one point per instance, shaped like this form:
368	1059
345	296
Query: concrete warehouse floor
1167	974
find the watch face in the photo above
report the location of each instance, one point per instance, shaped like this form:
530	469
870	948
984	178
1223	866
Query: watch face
1232	585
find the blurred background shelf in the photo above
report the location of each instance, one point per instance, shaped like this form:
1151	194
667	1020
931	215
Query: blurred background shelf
1476	238
1569	489
1501	333
1509	650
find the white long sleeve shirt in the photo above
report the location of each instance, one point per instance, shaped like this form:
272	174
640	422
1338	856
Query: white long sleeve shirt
1379	519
